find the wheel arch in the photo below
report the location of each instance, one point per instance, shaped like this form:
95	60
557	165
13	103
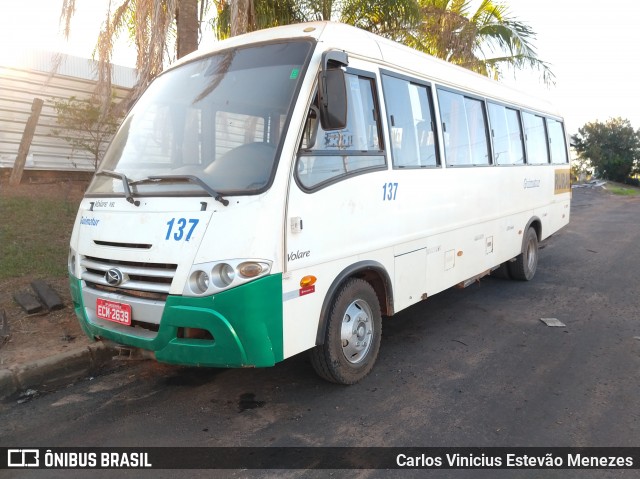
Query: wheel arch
370	271
536	224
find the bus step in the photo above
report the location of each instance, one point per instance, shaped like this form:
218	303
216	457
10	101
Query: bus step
473	279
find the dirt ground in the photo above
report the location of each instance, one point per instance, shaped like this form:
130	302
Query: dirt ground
43	334
35	336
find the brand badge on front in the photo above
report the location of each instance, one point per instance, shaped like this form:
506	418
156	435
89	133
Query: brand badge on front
114	277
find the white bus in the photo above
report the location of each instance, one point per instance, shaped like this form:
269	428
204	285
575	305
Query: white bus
290	188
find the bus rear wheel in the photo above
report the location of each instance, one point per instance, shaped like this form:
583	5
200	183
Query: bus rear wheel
352	338
525	264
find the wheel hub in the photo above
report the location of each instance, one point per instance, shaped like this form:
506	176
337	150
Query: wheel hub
356	331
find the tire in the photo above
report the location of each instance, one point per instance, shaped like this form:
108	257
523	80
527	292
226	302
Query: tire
502	271
525	264
352	338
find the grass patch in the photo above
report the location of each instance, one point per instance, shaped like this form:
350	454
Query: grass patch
622	191
34	236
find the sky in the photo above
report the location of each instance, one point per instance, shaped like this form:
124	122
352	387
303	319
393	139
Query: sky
592	47
594	51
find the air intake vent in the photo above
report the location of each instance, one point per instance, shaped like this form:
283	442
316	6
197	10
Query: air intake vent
123	245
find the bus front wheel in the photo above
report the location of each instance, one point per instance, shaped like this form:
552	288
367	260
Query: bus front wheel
352	338
525	264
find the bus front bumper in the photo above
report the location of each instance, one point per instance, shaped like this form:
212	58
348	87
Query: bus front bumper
244	326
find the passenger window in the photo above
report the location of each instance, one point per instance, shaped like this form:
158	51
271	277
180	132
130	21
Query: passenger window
535	139
410	118
326	155
507	135
464	129
557	142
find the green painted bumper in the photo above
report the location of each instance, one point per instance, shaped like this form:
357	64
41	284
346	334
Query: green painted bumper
245	322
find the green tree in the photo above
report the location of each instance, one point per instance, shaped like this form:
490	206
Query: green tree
393	19
487	40
235	17
613	148
85	126
581	169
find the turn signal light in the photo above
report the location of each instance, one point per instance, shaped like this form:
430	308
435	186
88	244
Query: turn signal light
308	281
250	269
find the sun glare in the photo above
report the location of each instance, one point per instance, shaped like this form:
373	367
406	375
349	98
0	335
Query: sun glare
35	26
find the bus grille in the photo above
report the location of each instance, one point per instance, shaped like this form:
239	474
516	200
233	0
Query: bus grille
142	280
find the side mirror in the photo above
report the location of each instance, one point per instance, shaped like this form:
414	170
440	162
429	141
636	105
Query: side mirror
333	91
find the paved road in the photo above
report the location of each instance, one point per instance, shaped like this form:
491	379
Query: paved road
473	367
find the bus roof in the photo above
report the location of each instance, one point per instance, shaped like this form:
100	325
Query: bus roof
363	44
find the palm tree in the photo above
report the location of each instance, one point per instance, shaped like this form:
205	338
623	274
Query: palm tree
241	16
152	25
393	19
487	41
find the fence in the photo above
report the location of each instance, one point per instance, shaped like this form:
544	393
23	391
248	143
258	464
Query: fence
32	78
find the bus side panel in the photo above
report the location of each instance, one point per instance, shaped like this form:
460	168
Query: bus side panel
468	219
302	305
443	226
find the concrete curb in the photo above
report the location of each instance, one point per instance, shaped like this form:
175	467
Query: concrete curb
55	371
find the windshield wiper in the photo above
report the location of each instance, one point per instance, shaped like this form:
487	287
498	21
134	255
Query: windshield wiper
125	184
191	179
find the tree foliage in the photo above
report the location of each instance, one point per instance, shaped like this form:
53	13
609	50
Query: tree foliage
235	17
612	147
487	39
161	31
84	125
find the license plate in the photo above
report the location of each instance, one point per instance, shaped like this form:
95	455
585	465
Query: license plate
113	311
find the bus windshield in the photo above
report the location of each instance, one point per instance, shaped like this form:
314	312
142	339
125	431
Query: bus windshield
219	119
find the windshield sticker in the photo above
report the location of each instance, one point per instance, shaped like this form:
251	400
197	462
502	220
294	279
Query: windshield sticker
294	74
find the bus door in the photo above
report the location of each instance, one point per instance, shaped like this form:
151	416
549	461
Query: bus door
332	202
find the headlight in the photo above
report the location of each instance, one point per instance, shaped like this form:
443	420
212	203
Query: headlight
223	275
214	277
199	282
71	262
